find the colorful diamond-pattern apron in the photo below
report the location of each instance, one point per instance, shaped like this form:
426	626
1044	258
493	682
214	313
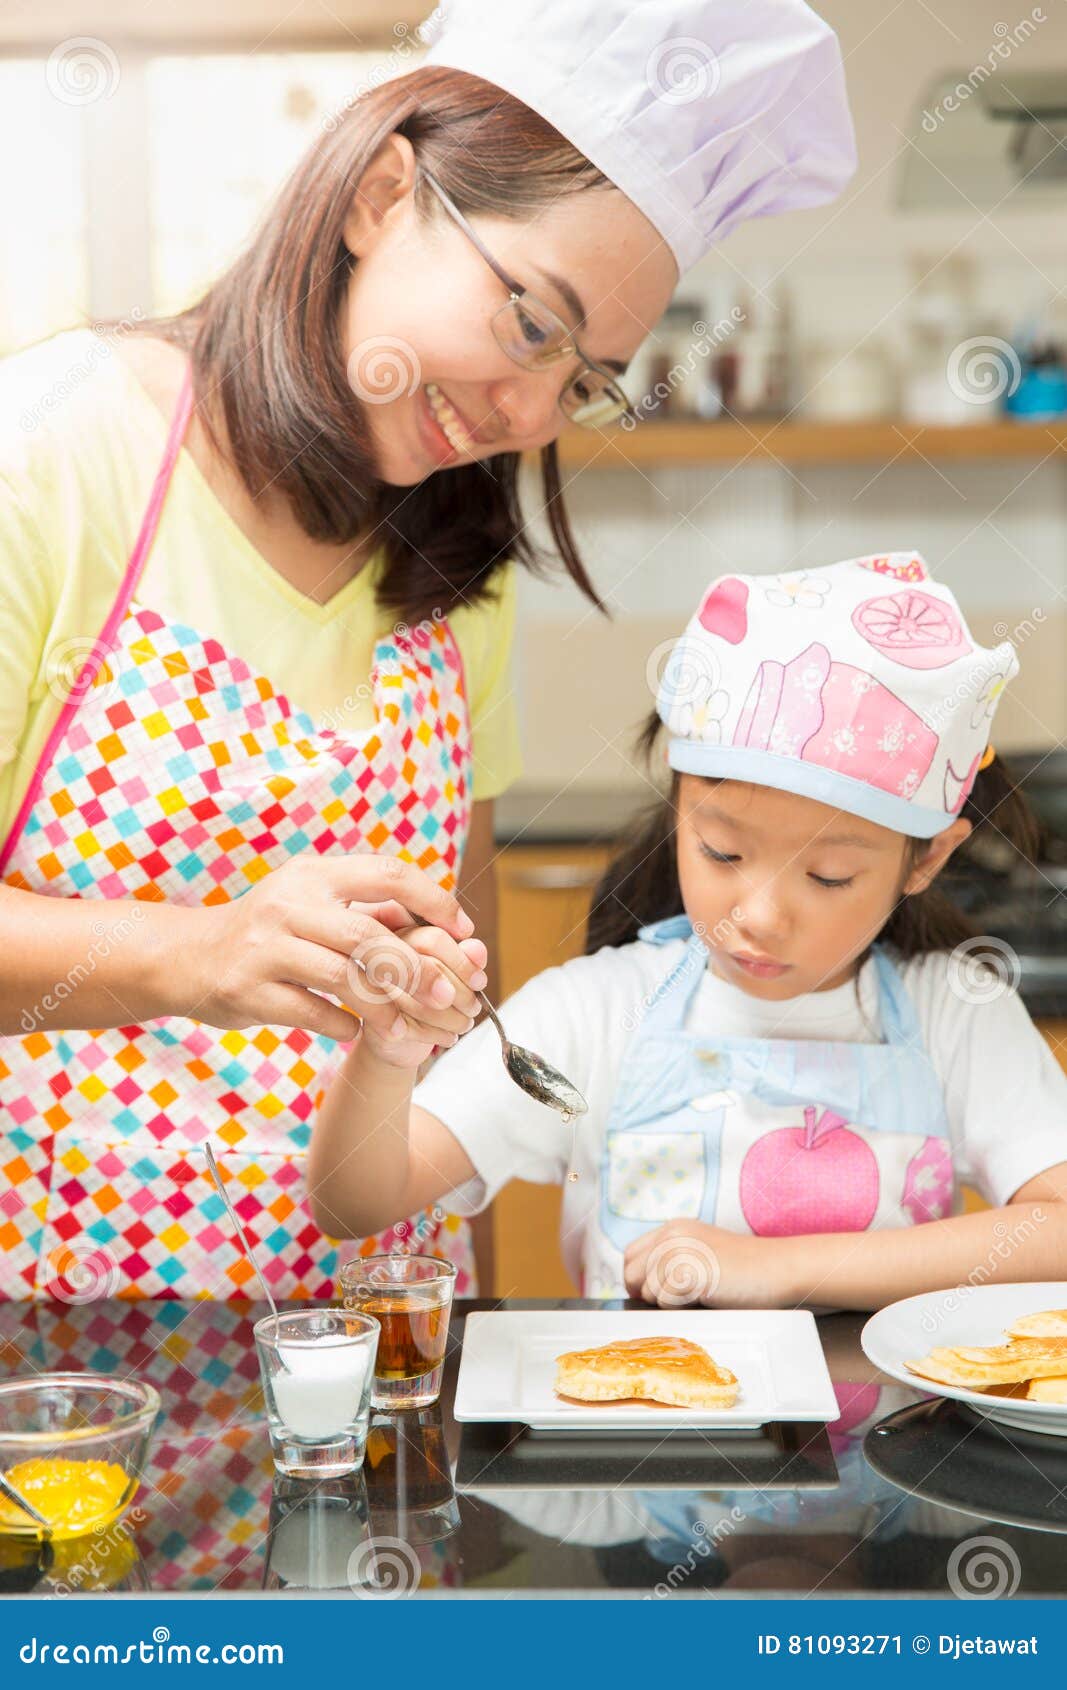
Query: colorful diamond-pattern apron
175	772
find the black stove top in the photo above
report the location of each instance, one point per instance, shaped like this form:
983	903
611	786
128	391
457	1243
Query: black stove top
1026	909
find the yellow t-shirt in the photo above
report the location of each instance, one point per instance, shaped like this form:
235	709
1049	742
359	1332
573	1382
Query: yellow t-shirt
80	444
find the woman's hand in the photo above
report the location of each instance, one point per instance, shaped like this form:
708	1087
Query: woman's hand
329	925
687	1261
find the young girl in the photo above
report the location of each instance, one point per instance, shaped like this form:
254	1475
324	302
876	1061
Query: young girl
792	1053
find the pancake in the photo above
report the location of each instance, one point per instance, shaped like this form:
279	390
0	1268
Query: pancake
663	1370
973	1368
1049	1323
1053	1389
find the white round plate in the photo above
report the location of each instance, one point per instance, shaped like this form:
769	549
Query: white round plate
908	1330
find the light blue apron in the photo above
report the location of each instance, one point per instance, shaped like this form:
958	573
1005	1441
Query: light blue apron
776	1137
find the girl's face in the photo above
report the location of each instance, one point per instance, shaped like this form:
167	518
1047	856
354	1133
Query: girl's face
437	390
789	892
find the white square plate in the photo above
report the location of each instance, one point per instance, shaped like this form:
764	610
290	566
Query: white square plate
978	1314
508	1366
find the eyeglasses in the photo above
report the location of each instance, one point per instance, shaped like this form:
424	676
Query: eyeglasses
532	335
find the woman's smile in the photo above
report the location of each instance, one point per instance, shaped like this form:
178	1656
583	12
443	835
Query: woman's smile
448	422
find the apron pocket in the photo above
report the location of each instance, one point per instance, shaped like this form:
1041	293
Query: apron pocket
656	1176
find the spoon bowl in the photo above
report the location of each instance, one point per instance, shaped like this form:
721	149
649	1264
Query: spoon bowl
533	1075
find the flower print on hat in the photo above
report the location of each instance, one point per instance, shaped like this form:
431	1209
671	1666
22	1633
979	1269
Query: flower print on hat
859	685
989	697
804	590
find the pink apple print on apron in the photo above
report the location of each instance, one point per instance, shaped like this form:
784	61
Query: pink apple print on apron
820	1177
928	1182
915	629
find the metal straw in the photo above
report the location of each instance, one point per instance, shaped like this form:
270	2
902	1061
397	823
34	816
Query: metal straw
246	1247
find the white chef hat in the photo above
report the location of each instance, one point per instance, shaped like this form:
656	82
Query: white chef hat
703	112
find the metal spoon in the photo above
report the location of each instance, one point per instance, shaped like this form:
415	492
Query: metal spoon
533	1075
14	1495
246	1247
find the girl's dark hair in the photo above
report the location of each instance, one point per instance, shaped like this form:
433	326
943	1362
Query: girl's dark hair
266	349
641	884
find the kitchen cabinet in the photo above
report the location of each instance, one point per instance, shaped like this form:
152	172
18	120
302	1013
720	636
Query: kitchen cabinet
544	896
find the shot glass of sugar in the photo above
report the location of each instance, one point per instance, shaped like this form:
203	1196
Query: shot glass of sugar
317	1367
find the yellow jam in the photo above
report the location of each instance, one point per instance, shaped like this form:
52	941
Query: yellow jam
73	1496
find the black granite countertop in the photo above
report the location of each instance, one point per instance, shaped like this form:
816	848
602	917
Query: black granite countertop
888	1500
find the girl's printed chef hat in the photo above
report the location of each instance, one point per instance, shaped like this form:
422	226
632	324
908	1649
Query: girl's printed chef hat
859	685
703	112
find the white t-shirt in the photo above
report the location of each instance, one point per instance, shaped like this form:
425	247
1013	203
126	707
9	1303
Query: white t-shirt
1005	1094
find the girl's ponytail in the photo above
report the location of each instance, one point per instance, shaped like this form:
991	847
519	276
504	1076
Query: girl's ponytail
930	921
640	884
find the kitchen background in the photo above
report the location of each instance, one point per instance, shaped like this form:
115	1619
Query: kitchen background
885	373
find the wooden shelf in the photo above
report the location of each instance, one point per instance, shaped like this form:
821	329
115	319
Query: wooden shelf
798	442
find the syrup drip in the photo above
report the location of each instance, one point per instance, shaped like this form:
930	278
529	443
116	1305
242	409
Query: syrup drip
569	1119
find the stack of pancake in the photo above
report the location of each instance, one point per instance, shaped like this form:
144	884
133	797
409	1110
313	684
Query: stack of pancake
1032	1364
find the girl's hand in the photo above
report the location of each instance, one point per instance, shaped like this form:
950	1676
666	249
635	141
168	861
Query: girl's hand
328	925
686	1261
423	1031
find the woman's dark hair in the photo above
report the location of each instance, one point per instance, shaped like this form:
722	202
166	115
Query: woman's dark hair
265	343
641	884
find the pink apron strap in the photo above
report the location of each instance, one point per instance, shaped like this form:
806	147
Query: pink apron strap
105	643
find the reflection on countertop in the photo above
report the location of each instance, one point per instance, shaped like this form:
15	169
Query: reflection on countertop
890	1498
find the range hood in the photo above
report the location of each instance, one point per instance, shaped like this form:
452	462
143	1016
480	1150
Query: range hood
985	138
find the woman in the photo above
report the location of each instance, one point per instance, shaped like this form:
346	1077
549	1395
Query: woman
257	599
